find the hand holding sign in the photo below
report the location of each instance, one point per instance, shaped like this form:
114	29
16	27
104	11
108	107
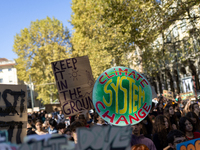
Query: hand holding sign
122	96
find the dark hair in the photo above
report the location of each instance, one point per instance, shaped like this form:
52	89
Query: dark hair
191	107
160	129
52	122
173	119
173	134
96	115
182	124
193	115
38	120
61	125
75	125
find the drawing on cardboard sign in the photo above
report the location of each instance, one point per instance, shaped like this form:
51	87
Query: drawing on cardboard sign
13	111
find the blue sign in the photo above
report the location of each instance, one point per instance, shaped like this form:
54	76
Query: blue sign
189	145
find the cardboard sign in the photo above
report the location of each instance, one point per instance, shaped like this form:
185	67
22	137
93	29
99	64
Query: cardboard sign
168	94
13	111
122	96
104	137
46	142
75	82
190	145
187	95
36	109
29	110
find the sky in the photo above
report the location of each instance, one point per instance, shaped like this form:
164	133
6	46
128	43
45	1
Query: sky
18	14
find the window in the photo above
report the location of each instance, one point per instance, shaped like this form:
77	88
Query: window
1	80
10	69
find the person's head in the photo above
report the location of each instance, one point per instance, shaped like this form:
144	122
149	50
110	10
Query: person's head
61	128
98	119
195	108
56	109
169	111
38	124
46	115
175	137
161	123
73	127
186	125
52	123
50	116
68	132
139	147
136	129
193	117
76	118
82	119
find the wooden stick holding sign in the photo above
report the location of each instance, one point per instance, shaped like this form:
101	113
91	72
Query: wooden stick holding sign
75	82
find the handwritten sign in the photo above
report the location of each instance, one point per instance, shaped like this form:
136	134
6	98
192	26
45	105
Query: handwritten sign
75	82
104	137
122	96
190	145
168	94
29	110
46	142
187	95
13	111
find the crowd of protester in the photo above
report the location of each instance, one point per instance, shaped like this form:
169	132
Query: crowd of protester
169	122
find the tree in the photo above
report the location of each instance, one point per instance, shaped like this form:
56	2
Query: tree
44	41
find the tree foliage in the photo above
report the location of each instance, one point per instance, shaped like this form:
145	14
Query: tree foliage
44	41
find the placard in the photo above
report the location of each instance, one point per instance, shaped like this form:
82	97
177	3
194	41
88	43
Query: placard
104	137
168	94
75	82
187	95
29	110
189	145
47	142
13	111
122	96
36	109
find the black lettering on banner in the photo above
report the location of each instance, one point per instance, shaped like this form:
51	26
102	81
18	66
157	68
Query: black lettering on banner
55	73
78	91
72	93
61	64
67	62
12	125
12	108
54	66
74	61
76	105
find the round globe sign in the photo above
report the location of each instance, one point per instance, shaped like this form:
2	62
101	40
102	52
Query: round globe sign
122	96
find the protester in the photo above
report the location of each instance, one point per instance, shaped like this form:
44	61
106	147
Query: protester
195	109
195	120
52	127
161	129
73	127
169	113
138	138
61	117
186	126
139	147
175	137
61	128
39	129
98	120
